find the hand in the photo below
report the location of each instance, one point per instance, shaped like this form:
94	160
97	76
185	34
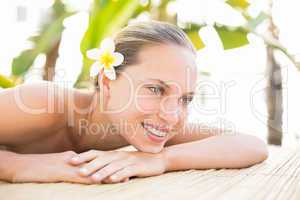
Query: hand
118	166
47	168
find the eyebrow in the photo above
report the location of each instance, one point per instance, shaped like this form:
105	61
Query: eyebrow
167	86
160	81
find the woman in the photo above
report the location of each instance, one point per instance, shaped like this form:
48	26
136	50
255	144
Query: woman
54	134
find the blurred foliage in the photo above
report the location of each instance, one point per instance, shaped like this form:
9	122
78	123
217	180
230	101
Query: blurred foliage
106	17
5	82
252	23
192	32
48	36
242	4
232	39
195	38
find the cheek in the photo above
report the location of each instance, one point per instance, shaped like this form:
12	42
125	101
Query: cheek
121	97
117	104
184	115
147	105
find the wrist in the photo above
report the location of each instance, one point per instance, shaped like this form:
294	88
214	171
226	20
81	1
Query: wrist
165	159
10	168
18	166
23	167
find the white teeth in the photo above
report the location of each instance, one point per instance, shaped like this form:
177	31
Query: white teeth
155	131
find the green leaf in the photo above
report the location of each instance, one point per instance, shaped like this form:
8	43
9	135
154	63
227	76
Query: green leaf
23	62
196	39
192	31
243	4
106	18
232	38
6	82
253	23
49	34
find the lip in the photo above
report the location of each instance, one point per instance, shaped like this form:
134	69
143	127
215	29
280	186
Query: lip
153	137
160	128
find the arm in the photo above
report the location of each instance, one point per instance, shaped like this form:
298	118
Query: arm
193	148
40	168
198	149
17	125
7	160
21	123
29	112
216	152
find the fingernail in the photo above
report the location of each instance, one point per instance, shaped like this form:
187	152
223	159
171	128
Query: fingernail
75	159
96	177
83	171
113	177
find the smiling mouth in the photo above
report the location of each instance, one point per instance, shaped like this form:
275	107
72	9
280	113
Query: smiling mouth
153	133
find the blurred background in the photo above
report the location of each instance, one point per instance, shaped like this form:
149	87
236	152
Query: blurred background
248	53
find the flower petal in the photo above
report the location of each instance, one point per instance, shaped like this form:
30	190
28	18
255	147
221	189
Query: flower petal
95	69
110	73
119	58
93	54
108	45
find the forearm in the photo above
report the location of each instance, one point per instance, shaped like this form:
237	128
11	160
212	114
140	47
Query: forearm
216	152
41	168
8	164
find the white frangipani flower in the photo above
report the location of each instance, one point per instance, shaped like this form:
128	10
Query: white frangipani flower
106	58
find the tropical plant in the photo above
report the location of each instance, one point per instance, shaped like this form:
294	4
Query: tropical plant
106	17
46	42
5	82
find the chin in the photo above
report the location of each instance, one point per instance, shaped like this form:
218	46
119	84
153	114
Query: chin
149	149
142	142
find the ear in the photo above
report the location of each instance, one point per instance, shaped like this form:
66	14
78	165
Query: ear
103	83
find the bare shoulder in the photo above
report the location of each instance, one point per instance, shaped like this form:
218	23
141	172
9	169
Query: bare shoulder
31	110
49	96
39	97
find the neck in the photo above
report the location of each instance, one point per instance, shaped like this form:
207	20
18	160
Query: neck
94	130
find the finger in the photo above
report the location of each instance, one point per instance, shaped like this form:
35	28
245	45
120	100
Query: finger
83	180
108	170
125	173
73	177
85	157
100	162
108	180
96	164
125	180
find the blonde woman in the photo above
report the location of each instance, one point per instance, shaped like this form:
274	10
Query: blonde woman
145	79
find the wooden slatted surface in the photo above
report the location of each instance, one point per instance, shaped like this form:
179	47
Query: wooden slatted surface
276	178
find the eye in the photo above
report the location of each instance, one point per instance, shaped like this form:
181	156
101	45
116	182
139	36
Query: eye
157	90
186	100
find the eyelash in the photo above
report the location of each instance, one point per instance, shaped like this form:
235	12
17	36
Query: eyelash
189	99
162	92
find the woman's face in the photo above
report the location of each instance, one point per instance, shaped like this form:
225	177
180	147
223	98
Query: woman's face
148	102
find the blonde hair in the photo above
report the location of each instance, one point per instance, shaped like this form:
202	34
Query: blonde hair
131	39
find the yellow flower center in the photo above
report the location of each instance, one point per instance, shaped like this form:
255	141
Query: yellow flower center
107	59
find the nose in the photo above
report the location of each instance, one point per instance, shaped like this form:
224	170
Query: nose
170	111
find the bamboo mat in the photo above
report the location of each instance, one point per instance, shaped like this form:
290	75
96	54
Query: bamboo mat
276	178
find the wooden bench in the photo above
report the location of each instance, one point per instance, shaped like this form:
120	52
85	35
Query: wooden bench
276	178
